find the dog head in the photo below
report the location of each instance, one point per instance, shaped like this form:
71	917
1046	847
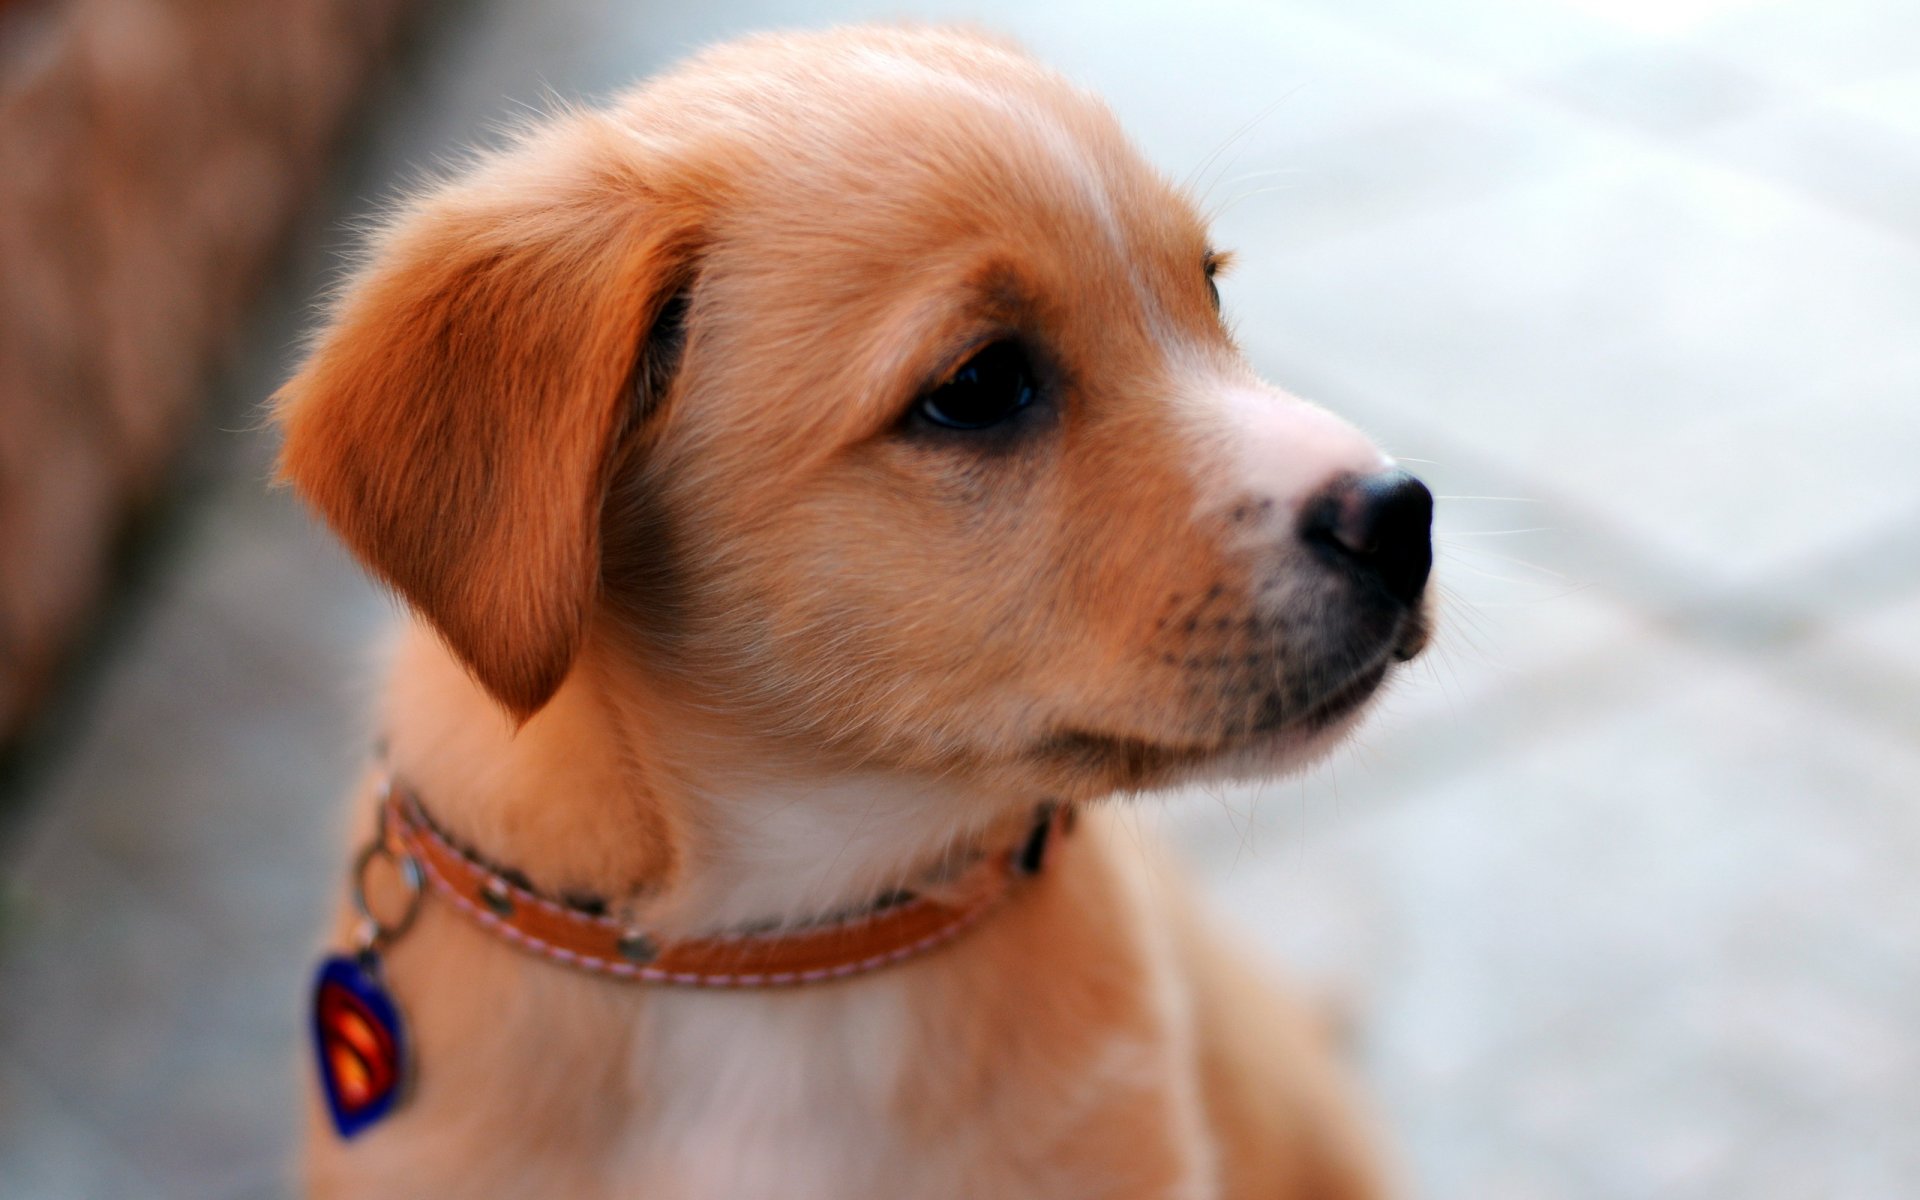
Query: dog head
869	387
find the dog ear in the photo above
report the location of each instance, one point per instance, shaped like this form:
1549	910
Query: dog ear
455	420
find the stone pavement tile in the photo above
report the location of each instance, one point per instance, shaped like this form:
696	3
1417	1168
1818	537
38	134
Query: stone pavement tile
1660	88
48	1152
1890	102
1888	634
1627	63
1839	149
1790	1166
1787	45
1507	39
214	754
175	1042
1628	954
1865	663
1710	368
95	972
1809	45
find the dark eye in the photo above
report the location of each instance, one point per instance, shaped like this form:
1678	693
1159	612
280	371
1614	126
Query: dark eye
1213	287
987	389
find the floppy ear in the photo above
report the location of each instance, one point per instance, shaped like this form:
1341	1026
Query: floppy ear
455	420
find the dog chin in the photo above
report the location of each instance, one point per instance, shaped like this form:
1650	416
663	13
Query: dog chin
1299	742
1091	764
1270	756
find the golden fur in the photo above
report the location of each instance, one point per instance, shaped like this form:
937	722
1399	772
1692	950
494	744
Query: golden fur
704	629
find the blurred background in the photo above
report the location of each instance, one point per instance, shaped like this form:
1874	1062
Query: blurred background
1621	886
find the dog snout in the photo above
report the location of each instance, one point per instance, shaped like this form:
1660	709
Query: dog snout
1379	526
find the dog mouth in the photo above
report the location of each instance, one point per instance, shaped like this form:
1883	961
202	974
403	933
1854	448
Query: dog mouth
1275	723
1343	701
1262	725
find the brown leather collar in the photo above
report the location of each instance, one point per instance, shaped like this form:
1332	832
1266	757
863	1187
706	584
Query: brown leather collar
891	930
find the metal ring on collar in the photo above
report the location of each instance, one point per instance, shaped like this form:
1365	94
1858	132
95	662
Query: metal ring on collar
374	933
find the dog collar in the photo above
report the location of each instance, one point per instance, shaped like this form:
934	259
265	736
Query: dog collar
361	1041
892	929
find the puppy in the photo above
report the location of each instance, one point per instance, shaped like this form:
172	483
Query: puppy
816	480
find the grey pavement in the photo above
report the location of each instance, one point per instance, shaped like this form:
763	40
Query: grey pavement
1620	884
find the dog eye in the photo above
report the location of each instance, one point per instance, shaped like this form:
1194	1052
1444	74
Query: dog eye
988	388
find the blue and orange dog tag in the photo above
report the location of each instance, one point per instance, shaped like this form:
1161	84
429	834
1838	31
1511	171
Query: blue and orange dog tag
358	1040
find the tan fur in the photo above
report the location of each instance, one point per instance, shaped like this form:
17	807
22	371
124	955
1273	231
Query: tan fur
721	641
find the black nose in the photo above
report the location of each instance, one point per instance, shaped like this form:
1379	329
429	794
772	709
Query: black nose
1380	525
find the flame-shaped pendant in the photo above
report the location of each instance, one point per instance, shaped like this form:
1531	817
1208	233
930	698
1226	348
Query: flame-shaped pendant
358	1040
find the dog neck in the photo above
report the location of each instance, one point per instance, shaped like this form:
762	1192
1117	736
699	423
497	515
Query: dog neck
617	792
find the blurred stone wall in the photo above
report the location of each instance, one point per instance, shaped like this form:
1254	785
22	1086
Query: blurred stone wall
152	155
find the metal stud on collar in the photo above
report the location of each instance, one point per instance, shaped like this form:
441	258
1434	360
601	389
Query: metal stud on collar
498	896
637	947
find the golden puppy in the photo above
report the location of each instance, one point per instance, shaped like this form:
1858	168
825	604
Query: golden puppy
813	478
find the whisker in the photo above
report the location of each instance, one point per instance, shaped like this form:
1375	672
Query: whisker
1227	207
1553	591
1242	824
1452	651
1536	601
1193	177
1506	558
1268	174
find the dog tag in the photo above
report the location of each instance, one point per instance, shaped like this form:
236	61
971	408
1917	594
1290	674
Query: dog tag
358	1040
